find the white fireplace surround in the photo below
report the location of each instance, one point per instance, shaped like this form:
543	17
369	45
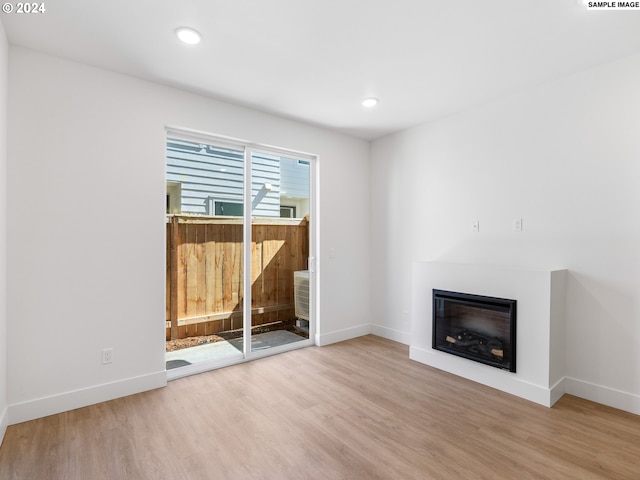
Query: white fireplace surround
539	319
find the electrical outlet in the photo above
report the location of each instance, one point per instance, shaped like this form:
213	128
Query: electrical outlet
107	355
517	225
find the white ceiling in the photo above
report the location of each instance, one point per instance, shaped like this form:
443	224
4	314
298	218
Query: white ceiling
315	60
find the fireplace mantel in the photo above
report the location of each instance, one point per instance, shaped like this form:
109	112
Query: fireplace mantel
540	333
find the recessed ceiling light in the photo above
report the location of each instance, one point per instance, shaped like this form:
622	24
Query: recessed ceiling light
370	102
188	35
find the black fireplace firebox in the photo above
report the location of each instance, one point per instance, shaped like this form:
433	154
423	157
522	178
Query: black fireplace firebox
475	327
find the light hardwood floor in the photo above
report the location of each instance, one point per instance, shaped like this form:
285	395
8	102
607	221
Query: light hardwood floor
355	410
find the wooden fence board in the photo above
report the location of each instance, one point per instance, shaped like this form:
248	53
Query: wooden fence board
218	300
191	260
172	276
209	268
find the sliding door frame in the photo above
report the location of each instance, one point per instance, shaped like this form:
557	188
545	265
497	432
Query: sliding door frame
249	148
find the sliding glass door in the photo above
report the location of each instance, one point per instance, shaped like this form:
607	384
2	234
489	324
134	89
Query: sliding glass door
280	226
239	245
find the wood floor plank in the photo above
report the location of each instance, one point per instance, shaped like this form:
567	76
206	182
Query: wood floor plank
354	410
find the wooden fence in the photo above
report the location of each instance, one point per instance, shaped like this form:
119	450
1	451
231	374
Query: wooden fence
205	272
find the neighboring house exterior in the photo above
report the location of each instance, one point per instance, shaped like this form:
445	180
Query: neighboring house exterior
294	188
208	180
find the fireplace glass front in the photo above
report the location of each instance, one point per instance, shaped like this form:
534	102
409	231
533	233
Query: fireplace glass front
475	327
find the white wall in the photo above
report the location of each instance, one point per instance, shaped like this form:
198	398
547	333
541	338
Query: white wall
93	276
564	157
4	49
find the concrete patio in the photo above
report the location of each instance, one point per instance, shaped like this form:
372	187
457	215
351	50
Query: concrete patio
226	348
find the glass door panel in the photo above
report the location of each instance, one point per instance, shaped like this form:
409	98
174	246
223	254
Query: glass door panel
280	239
205	251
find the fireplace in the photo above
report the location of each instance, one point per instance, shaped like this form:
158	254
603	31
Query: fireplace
476	327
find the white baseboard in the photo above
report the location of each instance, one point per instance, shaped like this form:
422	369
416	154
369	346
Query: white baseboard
628	402
497	379
4	422
392	334
625	401
42	407
342	335
557	391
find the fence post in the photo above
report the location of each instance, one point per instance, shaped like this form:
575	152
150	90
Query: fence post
174	239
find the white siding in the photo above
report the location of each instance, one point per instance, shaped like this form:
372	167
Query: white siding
207	174
266	170
294	177
294	185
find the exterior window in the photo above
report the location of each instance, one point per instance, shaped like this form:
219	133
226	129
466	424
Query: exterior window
173	198
287	211
228	209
